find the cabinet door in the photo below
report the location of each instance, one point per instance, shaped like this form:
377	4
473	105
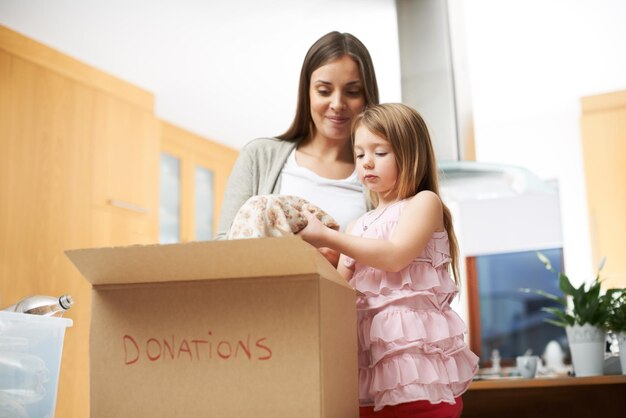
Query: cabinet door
194	172
604	153
170	199
188	216
204	202
125	173
45	185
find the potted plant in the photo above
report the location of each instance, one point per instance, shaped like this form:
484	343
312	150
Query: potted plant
583	313
616	320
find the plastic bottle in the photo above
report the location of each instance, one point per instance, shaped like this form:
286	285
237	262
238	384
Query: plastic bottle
43	305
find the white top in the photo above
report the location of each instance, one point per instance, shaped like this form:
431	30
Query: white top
342	199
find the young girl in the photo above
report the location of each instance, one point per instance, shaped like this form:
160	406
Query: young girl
413	361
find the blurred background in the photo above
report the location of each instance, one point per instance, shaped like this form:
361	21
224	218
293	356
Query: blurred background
502	84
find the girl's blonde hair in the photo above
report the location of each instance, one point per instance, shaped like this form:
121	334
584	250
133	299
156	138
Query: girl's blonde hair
406	132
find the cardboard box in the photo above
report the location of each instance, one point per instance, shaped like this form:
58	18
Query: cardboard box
246	328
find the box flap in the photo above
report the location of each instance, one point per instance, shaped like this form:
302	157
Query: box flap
205	260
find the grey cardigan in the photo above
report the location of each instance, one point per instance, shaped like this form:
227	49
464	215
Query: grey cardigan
256	172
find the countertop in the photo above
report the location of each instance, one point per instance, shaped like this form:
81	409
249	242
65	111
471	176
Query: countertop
547	397
518	382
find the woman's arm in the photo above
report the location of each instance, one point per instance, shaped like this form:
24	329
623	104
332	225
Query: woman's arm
421	216
255	172
239	188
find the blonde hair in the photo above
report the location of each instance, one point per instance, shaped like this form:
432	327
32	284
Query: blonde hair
407	133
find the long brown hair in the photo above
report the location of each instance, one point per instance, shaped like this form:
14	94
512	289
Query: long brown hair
407	133
328	48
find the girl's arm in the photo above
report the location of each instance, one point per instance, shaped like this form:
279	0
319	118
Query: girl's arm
331	255
345	272
422	215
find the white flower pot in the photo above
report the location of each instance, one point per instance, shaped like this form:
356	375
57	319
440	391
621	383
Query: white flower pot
586	343
621	339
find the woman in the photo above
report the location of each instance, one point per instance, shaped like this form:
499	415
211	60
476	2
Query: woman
313	159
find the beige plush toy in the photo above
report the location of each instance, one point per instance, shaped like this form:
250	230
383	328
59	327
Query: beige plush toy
275	216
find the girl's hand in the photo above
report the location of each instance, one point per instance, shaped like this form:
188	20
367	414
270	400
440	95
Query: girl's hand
315	231
331	255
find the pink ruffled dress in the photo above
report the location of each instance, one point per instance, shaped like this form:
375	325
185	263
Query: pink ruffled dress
411	344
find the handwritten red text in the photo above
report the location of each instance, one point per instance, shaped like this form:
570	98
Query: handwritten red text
175	348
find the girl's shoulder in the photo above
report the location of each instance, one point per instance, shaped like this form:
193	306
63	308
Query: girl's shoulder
425	206
425	198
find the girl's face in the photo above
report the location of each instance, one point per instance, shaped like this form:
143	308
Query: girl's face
337	96
375	163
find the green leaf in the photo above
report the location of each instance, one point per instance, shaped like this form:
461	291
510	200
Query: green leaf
550	296
587	305
562	319
616	311
601	264
558	323
559	313
594	290
565	285
591	314
579	294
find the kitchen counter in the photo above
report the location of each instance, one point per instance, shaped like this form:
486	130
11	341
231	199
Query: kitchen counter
549	397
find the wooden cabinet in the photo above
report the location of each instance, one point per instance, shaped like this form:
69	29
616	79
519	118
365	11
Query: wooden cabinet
125	158
194	172
43	158
45	193
603	125
79	154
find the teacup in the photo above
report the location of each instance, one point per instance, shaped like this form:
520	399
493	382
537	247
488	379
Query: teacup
527	366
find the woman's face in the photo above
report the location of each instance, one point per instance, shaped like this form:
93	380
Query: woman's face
337	96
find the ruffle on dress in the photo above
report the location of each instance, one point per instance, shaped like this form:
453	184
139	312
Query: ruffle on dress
417	371
411	343
372	281
415	367
406	326
435	393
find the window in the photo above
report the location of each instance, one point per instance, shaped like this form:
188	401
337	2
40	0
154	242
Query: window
204	204
504	318
169	207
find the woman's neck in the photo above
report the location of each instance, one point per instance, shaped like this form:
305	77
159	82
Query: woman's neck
328	159
327	150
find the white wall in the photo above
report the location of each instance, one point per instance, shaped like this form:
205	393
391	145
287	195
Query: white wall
227	70
530	62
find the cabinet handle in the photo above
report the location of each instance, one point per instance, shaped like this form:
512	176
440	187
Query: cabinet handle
128	206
